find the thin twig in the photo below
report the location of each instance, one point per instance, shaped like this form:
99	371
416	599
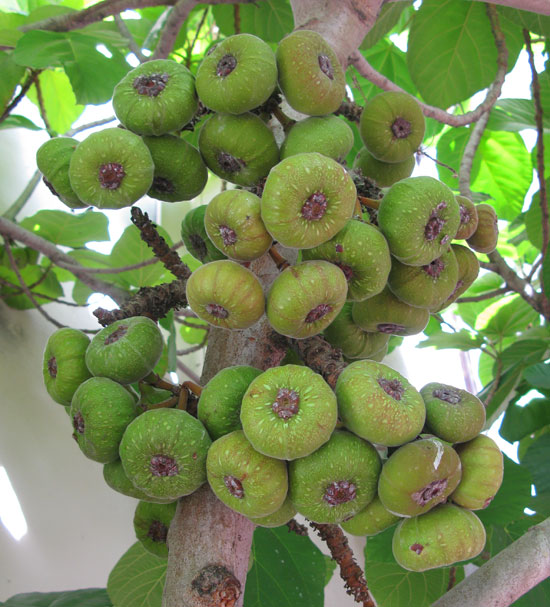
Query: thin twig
13	210
178	15
367	71
127	35
496	382
41	106
31	78
237	18
452	578
296	527
90	125
196	347
438	162
488	295
189	51
534	268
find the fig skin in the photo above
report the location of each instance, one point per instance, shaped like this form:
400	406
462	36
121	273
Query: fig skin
485	238
384	174
304	299
426	286
115	477
226	295
419	216
336	481
288	412
482	472
195	238
53	159
245	78
233	223
307	199
379	404
180	173
387	314
240	149
125	351
468	218
327	135
219	406
147	113
418	476
362	253
243	479
163	452
445	535
151	523
373	519
310	75
344	334
280	517
468	270
101	409
392	126
452	414
64	367
111	169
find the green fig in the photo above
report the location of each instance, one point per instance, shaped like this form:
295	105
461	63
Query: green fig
468	270
116	478
280	517
468	218
384	174
151	524
195	238
327	135
373	519
485	237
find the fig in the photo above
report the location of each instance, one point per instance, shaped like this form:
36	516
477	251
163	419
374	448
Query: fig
468	270
226	295
327	135
379	404
468	218
116	478
288	412
195	238
307	199
384	174
280	517
151	524
304	299
485	237
373	519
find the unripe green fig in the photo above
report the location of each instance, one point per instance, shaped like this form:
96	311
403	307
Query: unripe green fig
233	223
383	173
452	414
156	98
468	218
53	159
125	351
237	75
468	270
195	238
373	519
240	149
392	126
288	412
111	169
226	294
419	216
151	524
64	367
482	472
180	173
485	237
379	404
219	406
445	535
280	517
310	75
116	478
418	476
304	299
327	135
307	199
362	253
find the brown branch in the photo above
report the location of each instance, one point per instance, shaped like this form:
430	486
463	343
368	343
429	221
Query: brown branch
438	162
154	302
30	80
189	51
367	71
350	572
149	235
127	35
320	356
452	578
467	161
41	106
279	260
296	527
170	31
237	18
487	295
350	110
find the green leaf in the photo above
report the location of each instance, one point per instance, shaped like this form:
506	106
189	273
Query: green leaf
67	229
526	351
514	115
11	75
521	421
378	548
538	24
537	460
270	20
14	121
506	317
506	385
94	259
533	220
330	568
450	148
130	250
137	580
87	597
538	375
191	335
288	570
9	22
31	275
451	51
511	498
461	340
387	19
499	156
59	100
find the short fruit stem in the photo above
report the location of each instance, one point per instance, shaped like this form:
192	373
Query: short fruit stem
279	260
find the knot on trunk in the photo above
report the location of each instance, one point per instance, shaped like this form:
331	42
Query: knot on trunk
216	587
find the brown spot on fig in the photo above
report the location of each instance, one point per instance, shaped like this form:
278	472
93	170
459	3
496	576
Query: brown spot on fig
119	332
163	465
429	492
434	268
216	310
340	492
488	501
110	175
339	248
314	207
326	66
389	327
286	404
448	395
50	187
226	65
435	224
228	235
417	548
234	486
78	423
161	184
401	128
348	272
229	163
318	312
52	367
157	532
392	387
151	85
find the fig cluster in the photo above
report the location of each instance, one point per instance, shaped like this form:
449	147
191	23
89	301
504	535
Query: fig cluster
371	452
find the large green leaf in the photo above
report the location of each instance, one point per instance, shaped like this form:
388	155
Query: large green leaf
538	375
387	19
538	24
504	171
137	580
537	460
506	317
59	100
14	121
451	51
514	115
288	570
507	383
67	229
521	421
31	275
9	22
533	220
461	340
450	148
527	351
270	20
87	597
11	75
